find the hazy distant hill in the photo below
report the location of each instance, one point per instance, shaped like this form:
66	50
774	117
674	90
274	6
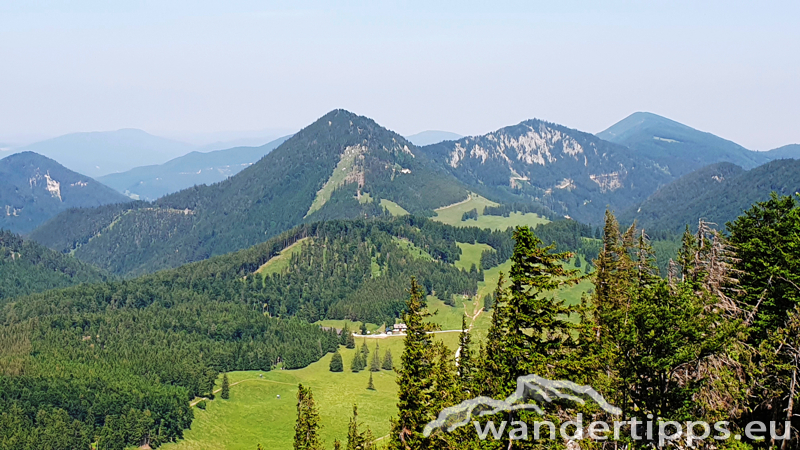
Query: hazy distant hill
340	166
432	137
718	193
573	173
34	188
101	153
677	148
787	151
152	182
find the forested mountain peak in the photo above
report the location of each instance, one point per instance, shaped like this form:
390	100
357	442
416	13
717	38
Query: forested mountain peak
571	172
340	166
677	148
34	188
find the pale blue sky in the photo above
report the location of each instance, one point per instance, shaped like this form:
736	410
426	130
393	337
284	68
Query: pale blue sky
728	67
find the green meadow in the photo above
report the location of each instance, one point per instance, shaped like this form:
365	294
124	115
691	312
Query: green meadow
451	215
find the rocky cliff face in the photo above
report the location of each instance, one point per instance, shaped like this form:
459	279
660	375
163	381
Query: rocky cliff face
574	173
34	188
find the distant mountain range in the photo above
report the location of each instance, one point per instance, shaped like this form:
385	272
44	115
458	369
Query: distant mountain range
432	137
573	173
152	182
791	151
718	193
34	189
677	148
346	166
341	166
101	153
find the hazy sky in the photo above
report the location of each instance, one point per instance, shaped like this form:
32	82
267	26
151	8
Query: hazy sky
728	67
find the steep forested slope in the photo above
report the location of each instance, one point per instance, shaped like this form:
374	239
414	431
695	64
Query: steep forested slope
718	194
340	166
573	173
677	148
27	267
34	188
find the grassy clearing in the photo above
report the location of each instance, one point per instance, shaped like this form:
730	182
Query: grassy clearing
448	317
394	208
470	254
451	215
338	177
281	262
415	251
254	415
365	198
353	326
501	223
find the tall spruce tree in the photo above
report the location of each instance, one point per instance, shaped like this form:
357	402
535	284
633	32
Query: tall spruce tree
534	332
375	364
529	333
466	364
779	375
645	331
387	363
357	439
337	365
226	387
358	362
345	334
306	430
351	341
416	402
371	384
766	239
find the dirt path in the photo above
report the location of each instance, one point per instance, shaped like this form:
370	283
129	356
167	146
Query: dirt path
469	197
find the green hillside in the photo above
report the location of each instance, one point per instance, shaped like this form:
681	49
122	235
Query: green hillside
321	173
717	193
27	267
